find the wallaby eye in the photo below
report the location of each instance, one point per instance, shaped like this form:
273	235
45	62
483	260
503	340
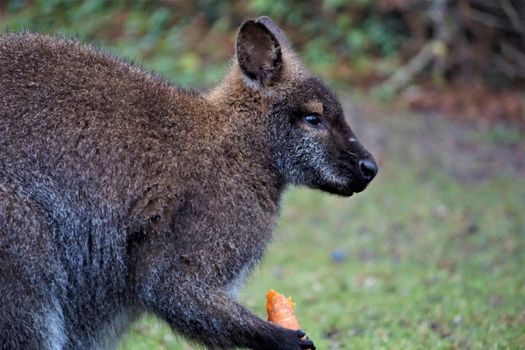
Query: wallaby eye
313	120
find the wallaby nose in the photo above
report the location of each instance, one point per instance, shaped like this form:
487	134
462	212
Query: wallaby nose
368	169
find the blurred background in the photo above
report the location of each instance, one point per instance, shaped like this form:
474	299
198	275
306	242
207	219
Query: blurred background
432	255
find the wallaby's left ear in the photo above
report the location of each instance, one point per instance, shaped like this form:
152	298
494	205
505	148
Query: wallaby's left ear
259	53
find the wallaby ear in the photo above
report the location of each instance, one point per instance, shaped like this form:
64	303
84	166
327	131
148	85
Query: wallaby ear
259	53
274	28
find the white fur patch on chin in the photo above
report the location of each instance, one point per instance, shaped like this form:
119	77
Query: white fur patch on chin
331	177
326	170
330	174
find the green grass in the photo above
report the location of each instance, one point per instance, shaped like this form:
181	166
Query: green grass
420	260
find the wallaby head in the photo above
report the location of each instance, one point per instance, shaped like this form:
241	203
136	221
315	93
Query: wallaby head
311	143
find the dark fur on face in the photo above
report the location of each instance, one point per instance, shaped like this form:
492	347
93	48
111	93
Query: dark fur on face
325	156
121	193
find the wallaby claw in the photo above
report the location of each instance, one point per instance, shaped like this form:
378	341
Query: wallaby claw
300	333
304	341
307	344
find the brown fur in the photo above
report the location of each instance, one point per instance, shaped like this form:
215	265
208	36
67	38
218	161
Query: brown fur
121	193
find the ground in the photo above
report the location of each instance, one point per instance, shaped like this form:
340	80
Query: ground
431	256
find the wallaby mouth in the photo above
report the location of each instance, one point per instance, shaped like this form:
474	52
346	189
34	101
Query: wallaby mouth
360	174
345	191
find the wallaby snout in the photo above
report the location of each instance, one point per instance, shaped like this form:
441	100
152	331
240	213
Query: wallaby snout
368	169
362	164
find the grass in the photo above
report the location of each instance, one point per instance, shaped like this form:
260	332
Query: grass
420	260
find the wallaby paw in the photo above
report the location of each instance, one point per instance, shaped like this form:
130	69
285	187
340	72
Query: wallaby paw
305	342
297	341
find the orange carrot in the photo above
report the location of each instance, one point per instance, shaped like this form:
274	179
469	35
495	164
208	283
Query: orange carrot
280	310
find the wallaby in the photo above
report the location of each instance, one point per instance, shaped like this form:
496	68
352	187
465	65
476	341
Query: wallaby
121	193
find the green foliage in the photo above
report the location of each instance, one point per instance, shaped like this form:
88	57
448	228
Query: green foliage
137	30
330	34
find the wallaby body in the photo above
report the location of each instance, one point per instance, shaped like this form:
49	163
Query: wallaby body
121	193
